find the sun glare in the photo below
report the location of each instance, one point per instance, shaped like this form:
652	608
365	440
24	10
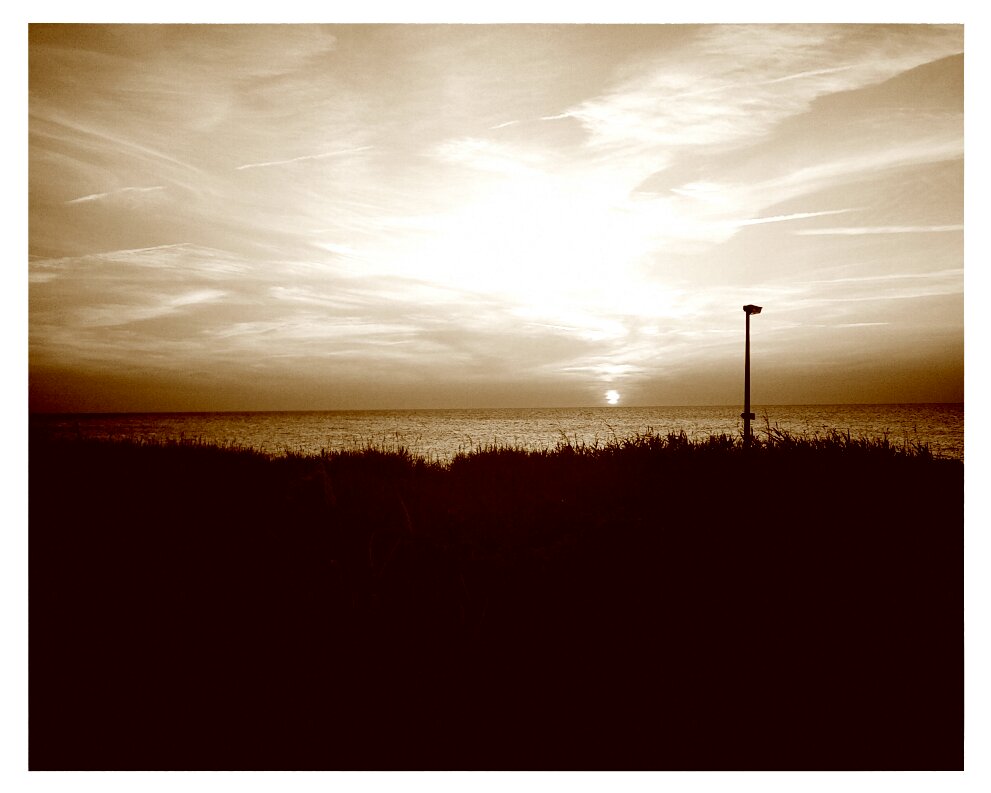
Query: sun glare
612	397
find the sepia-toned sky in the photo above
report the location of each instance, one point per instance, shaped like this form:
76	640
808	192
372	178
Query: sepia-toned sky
383	216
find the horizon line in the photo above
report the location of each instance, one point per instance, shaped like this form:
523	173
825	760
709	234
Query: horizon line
424	409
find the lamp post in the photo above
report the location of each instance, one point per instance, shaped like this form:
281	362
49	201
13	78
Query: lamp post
747	415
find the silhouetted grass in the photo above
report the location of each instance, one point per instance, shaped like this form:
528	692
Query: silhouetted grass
651	602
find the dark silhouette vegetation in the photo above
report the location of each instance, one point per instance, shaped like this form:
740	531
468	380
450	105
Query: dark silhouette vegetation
654	603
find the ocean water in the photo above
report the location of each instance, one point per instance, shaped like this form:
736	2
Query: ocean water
440	434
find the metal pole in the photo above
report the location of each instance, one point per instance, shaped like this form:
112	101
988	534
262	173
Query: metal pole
747	415
746	388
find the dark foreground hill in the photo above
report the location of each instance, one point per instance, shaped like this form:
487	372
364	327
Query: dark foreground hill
655	604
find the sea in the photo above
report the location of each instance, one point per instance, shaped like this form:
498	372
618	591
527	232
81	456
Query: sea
442	434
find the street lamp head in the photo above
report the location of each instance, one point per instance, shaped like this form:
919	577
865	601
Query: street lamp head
752	309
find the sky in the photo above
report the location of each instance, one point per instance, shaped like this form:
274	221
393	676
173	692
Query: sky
291	217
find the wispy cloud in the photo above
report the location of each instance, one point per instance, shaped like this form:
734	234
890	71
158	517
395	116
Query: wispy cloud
929	148
112	193
323	156
110	315
72	132
701	100
731	87
792	216
872	296
856	231
942	275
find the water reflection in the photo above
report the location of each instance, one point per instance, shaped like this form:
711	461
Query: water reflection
440	434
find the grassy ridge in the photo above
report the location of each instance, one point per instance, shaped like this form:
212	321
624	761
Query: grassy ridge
650	603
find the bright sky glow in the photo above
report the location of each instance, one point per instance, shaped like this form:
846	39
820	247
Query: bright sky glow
355	216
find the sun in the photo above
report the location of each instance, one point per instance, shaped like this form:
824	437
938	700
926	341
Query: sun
612	397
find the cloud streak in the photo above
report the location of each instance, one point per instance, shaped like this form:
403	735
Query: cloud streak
112	193
793	216
304	158
856	231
